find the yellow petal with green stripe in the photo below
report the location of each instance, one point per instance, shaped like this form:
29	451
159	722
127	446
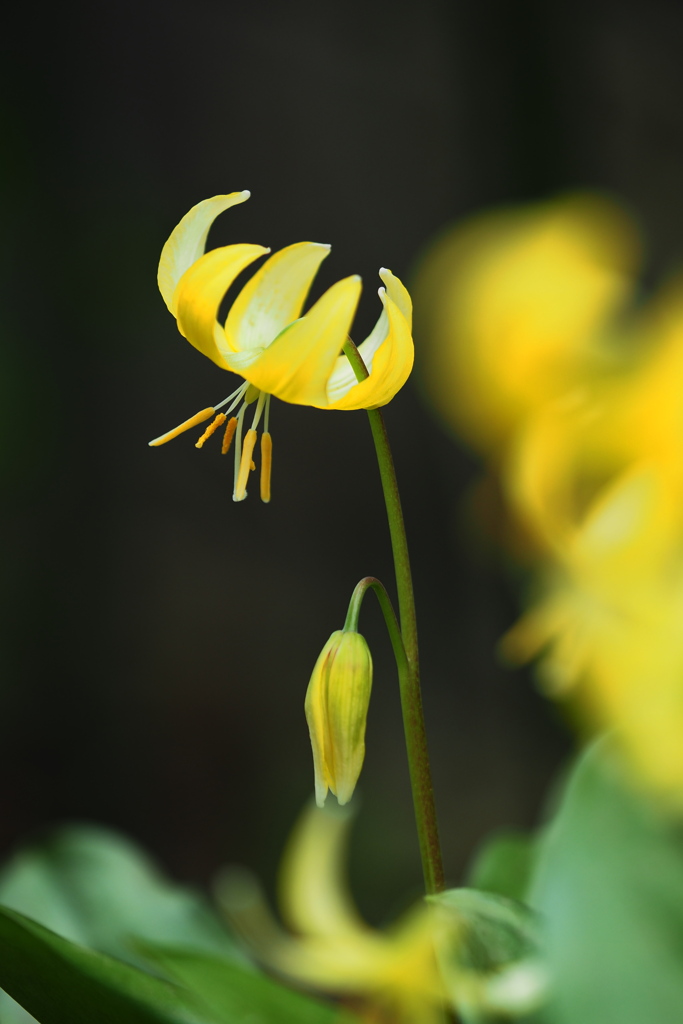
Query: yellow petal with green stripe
274	296
200	293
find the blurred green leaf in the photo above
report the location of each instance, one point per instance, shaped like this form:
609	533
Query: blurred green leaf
62	983
232	994
609	885
98	890
490	962
95	887
504	865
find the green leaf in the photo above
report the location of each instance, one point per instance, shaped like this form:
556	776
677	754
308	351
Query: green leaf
100	891
488	954
232	994
62	983
95	887
504	865
610	887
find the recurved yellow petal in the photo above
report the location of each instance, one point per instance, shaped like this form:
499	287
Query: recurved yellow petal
313	893
188	240
200	292
387	352
274	296
297	365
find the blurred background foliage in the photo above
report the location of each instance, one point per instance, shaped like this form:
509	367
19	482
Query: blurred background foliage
156	638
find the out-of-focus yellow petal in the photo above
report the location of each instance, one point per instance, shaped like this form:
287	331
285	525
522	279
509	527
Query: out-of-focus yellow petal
200	293
274	296
187	241
297	365
514	304
313	893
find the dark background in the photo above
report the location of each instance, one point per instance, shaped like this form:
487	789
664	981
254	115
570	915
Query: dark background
157	639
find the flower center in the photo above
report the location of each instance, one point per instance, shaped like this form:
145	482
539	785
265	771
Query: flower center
245	395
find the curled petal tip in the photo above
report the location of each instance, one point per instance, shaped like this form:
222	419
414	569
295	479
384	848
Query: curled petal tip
246	193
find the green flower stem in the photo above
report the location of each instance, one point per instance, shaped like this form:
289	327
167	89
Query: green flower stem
409	675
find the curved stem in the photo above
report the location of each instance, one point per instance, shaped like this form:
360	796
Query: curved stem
393	628
409	678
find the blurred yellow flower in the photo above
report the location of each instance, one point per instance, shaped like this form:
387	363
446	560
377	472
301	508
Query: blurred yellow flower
392	974
267	341
576	402
513	304
450	951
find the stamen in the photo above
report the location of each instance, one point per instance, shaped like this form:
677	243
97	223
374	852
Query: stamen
238	448
194	421
245	466
266	463
212	428
228	435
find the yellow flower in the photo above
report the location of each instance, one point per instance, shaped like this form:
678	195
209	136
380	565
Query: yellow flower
336	711
393	973
514	305
444	952
267	341
600	479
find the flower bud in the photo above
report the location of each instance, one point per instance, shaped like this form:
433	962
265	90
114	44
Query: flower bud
336	707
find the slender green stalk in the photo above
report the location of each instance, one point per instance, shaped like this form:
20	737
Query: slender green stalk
393	628
409	673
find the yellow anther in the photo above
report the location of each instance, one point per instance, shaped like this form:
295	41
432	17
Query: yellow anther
266	463
245	466
229	434
252	467
220	418
187	425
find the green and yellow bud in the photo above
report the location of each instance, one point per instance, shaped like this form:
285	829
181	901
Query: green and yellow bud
336	706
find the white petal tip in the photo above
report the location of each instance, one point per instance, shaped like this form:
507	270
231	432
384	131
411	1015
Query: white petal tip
381	292
246	193
384	270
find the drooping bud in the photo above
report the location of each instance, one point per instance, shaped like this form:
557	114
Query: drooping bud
336	707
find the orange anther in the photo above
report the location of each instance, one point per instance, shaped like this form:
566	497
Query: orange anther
228	435
187	425
220	418
266	463
245	465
